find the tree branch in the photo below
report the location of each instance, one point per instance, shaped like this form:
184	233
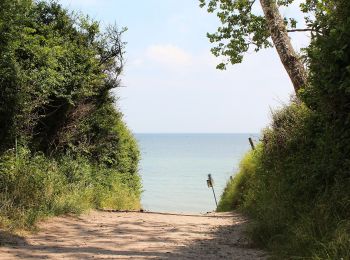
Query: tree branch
301	30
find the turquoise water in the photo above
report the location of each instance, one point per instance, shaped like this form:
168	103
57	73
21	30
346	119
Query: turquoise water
174	169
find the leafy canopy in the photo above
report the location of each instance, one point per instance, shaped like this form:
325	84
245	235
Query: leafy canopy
244	26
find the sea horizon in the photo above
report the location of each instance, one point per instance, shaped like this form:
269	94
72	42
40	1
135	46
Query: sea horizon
174	168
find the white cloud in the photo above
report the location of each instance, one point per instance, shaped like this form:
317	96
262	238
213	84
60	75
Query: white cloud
169	54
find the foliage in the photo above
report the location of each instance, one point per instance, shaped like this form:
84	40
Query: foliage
298	192
329	90
294	187
241	29
244	26
57	70
33	186
233	195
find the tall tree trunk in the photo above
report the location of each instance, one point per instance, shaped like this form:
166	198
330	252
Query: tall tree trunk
281	40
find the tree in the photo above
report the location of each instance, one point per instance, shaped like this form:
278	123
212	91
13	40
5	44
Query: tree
57	71
242	28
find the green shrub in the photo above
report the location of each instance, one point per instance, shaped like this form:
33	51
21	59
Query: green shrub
57	72
33	187
298	195
295	188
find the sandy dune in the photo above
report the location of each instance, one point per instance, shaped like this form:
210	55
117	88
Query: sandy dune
112	235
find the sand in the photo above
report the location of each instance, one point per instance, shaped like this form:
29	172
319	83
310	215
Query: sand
134	235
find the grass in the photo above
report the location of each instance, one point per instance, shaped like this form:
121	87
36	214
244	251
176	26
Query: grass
33	187
295	188
233	193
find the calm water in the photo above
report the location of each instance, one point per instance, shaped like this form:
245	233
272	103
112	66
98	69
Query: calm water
174	169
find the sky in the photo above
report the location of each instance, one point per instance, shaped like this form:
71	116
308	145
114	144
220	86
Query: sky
170	83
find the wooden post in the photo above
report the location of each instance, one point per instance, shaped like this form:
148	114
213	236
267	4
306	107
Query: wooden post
251	143
210	183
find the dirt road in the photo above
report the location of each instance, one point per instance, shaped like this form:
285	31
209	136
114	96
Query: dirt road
109	235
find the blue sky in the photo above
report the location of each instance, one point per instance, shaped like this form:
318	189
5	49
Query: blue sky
171	84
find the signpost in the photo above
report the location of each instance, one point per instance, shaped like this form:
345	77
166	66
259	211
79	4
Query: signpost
210	183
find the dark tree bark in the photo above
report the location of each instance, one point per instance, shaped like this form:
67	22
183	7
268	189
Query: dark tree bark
290	60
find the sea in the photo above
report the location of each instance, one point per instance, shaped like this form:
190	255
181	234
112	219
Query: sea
175	167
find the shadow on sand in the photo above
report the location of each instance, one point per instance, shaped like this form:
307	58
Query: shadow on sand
10	239
136	238
227	242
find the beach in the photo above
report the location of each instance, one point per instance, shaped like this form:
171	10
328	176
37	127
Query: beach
135	235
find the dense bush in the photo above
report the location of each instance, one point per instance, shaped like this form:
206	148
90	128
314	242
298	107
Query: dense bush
295	186
63	144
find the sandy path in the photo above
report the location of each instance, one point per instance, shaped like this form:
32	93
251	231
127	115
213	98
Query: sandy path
108	235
